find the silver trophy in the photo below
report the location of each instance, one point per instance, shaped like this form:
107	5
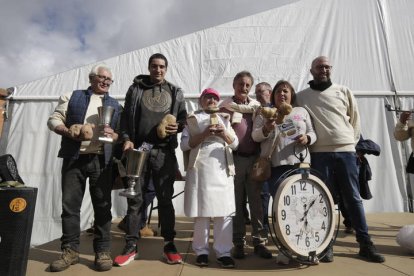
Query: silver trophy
135	160
105	116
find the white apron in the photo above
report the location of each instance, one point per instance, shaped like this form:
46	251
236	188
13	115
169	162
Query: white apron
209	189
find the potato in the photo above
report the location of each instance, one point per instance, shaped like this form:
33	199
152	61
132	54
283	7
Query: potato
268	112
283	110
86	132
167	120
74	130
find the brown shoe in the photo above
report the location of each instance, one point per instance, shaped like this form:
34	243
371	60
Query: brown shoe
69	257
122	225
349	230
103	261
238	251
261	251
146	232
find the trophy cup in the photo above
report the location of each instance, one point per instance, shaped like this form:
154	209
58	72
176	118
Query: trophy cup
212	110
105	116
135	160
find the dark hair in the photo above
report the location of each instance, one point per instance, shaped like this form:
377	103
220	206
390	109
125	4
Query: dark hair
243	74
157	56
277	86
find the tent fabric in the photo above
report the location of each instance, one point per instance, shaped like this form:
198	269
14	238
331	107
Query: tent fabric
369	42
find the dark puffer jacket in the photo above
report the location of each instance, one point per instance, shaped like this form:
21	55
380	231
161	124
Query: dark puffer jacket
77	107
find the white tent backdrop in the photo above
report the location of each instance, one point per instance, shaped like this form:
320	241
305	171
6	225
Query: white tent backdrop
369	42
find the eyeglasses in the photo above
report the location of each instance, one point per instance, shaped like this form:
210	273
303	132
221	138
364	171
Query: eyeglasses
105	79
326	67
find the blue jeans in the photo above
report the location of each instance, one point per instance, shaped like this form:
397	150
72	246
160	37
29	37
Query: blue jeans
277	172
74	175
344	213
265	196
339	171
161	167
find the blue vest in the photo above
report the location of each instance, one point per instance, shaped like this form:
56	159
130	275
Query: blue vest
77	107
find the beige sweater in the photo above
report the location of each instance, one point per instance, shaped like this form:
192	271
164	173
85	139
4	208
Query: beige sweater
335	116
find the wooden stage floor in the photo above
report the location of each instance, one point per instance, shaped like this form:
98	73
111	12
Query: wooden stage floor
383	229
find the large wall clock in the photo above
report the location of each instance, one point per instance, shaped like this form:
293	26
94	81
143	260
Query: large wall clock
303	215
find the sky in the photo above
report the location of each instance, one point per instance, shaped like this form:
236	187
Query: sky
40	38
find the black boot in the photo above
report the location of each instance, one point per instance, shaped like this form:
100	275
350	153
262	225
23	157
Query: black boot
329	257
368	251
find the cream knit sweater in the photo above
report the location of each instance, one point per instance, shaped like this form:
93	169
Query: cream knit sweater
335	116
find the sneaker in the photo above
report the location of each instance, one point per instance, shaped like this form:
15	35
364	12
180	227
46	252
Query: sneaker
129	254
90	230
202	260
103	261
282	259
261	251
328	258
238	251
349	230
369	252
226	262
171	254
69	257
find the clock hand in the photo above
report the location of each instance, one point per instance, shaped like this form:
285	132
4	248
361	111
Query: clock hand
311	204
307	210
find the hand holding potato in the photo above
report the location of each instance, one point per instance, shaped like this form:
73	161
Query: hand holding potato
86	132
168	126
283	110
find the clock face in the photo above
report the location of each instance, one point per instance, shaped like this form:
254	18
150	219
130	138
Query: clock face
303	212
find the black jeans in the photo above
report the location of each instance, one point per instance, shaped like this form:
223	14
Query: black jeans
149	195
74	175
161	167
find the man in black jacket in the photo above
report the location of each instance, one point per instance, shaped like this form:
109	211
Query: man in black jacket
147	102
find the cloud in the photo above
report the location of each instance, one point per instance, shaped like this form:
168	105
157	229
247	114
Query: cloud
46	37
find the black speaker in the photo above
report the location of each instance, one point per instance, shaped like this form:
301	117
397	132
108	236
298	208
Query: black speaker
17	207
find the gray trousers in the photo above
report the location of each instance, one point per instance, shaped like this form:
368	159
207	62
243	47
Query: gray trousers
242	182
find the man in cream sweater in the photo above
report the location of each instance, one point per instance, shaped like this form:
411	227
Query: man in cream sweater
334	112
